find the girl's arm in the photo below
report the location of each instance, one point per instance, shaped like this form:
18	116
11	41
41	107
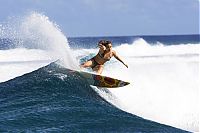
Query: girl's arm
119	58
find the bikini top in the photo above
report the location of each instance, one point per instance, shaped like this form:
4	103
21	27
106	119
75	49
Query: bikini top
102	56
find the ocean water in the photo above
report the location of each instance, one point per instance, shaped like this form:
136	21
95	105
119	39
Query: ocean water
39	95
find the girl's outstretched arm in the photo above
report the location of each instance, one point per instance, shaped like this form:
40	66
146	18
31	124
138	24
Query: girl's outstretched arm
119	58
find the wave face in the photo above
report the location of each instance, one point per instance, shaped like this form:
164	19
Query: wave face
54	99
163	71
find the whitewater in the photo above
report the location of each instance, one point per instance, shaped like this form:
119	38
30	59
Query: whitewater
164	79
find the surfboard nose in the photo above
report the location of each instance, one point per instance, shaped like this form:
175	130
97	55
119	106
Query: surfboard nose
121	84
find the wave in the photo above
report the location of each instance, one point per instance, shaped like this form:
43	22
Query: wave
55	99
142	48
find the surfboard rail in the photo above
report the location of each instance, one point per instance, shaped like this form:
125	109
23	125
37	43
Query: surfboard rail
102	81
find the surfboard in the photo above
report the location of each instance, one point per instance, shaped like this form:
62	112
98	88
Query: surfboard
102	81
98	80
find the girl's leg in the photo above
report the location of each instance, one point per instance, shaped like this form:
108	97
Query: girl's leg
98	69
86	64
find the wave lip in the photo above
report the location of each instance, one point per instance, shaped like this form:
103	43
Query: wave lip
32	37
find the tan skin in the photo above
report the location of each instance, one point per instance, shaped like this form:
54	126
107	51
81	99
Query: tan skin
108	53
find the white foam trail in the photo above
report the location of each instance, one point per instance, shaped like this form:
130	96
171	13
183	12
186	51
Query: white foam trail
38	30
162	92
163	89
164	82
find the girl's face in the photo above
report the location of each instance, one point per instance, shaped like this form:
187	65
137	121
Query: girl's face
109	47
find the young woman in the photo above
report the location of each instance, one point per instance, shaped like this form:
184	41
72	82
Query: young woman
105	54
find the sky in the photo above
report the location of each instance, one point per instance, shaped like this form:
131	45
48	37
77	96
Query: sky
78	18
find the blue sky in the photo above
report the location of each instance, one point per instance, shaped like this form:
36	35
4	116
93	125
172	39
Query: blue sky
112	17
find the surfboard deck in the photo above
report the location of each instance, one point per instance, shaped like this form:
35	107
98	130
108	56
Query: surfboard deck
102	81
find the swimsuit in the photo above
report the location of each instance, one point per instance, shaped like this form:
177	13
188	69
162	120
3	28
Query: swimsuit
95	63
102	56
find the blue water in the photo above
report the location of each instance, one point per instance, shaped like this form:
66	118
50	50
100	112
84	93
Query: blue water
39	96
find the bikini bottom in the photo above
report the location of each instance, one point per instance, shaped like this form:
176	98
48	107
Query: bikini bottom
94	63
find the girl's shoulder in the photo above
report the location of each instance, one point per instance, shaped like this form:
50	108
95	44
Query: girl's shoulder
113	52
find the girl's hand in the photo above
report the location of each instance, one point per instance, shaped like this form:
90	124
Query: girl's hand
126	65
101	46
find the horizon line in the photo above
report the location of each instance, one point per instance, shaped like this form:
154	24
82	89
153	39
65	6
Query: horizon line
134	35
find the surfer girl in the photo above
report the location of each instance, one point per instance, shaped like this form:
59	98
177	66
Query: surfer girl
105	54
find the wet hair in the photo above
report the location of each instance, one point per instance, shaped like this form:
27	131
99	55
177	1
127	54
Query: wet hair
105	42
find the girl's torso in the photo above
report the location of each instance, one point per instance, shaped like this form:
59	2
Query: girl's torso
103	56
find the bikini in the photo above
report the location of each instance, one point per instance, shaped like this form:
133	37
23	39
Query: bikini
102	56
95	63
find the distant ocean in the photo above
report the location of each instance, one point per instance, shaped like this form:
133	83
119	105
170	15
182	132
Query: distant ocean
37	95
